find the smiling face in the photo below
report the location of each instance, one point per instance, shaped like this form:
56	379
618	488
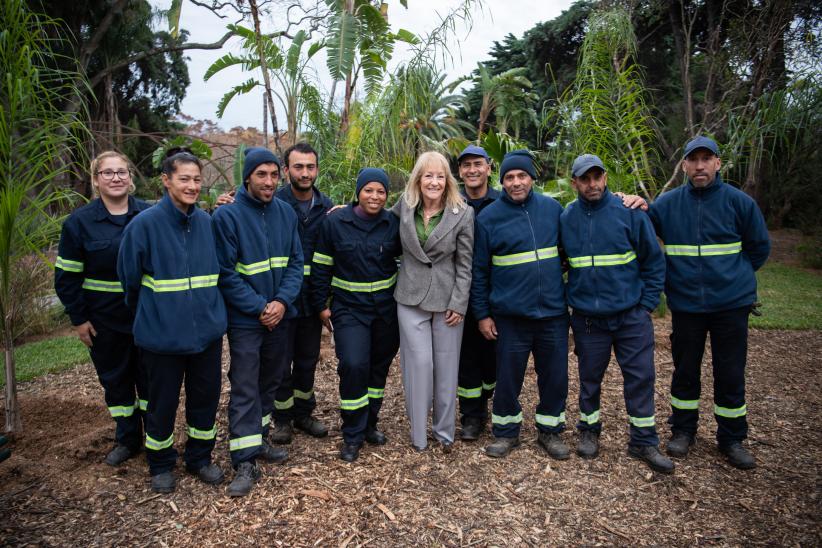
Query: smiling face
112	179
517	184
183	185
591	184
701	167
372	197
432	184
474	172
263	181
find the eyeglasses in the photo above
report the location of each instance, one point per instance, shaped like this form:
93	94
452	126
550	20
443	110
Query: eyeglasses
108	174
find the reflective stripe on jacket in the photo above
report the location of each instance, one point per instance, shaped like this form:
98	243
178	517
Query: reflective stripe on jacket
260	257
169	271
517	269
85	274
616	262
714	238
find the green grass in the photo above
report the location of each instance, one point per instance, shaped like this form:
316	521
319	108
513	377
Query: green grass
791	298
47	356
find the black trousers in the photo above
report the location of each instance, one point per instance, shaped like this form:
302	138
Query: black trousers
365	352
477	376
729	347
166	373
295	393
117	362
258	360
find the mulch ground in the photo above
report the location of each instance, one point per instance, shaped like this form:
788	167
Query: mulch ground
54	490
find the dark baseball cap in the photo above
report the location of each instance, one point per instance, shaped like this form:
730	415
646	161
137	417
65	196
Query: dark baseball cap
473	150
584	163
701	142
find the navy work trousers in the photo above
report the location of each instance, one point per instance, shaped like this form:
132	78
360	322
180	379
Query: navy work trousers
477	372
295	394
729	349
117	362
201	373
259	358
364	351
631	335
547	340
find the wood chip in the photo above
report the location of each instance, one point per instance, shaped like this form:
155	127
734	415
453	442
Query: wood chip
388	513
317	494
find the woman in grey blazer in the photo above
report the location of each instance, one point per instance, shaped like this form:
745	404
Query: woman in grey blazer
437	234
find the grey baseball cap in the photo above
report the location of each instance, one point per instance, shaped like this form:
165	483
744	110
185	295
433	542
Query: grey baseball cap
584	163
701	142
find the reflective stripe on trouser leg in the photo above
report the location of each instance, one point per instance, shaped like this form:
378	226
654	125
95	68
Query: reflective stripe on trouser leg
592	347
117	363
275	377
477	372
551	365
513	348
729	344
245	418
634	350
385	341
688	335
306	353
165	373
352	339
202	381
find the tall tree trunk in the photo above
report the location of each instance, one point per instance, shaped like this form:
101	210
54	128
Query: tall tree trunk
14	422
682	45
349	84
265	121
269	95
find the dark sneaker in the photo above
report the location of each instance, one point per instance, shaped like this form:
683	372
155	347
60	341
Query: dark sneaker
553	445
245	477
679	444
281	433
471	429
501	447
210	474
349	452
375	437
276	455
737	456
119	455
164	482
588	444
311	426
651	456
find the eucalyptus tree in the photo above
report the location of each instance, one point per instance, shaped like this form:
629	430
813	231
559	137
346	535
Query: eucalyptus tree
35	133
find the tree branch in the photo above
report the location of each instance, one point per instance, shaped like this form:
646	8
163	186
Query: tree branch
156	51
94	42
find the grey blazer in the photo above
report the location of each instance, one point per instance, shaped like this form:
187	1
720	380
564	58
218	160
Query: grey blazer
436	277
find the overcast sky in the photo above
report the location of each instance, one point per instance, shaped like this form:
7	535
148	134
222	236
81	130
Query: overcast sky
497	19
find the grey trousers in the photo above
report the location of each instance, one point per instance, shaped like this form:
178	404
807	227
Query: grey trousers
429	357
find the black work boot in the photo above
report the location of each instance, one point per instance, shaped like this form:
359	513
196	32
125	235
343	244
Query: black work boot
311	426
501	447
275	455
374	436
650	455
679	444
349	452
164	482
553	445
210	474
588	444
472	427
119	455
282	432
737	456
245	477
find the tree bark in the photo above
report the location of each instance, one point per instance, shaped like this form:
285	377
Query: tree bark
275	131
349	7
14	422
682	46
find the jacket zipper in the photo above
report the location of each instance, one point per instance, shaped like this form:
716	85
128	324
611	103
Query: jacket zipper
190	291
536	256
593	265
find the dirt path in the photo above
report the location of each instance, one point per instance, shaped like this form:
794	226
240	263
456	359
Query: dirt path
55	491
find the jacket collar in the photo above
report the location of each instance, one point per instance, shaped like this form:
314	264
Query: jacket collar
287	194
168	206
707	190
506	198
348	216
244	198
101	213
490	195
593	206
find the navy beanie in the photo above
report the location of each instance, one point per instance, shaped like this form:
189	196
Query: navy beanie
255	156
517	159
371	175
